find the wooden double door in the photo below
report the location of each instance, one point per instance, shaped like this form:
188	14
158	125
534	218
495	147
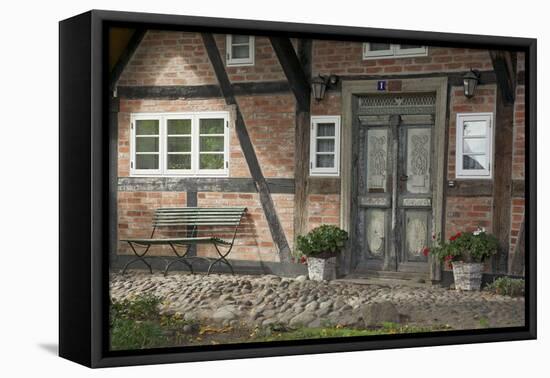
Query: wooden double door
393	191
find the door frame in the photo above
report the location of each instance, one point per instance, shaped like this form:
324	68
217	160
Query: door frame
351	88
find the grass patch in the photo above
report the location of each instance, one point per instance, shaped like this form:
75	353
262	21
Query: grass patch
512	287
138	324
270	334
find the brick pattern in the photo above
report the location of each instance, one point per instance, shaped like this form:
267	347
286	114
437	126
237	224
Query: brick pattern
266	65
483	101
254	239
323	209
169	58
270	121
346	58
467	214
518	156
518	213
135	213
331	105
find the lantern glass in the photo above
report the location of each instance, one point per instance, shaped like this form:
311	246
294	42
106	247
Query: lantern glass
470	83
318	87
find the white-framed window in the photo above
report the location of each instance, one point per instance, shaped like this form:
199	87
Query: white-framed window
375	50
176	144
240	50
474	145
325	146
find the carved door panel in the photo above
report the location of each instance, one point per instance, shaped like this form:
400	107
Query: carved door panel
414	192
394	192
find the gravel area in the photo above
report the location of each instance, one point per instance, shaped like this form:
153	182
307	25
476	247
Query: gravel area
264	300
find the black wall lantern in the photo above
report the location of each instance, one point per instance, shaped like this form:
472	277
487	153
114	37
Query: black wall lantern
320	84
471	80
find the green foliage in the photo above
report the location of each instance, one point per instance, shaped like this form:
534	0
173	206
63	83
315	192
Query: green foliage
329	332
512	287
323	241
468	247
142	307
127	334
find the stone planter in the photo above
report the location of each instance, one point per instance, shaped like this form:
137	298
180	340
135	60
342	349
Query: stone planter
320	269
467	275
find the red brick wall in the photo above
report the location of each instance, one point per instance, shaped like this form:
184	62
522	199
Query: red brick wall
518	212
346	58
467	214
135	214
169	58
323	209
266	65
518	159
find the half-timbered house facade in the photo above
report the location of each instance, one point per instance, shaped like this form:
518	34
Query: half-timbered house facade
394	152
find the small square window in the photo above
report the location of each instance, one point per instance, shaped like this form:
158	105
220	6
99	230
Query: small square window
474	145
240	50
325	146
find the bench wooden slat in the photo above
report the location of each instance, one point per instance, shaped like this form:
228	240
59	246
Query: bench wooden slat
193	240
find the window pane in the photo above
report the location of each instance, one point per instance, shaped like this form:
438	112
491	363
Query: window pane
325	129
474	162
147	127
475	128
179	126
211	144
147	144
211	126
404	47
476	145
240	52
379	46
179	144
147	161
325	161
325	145
179	161
240	39
211	161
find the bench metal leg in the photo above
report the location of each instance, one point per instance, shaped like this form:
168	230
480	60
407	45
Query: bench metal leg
139	257
221	259
179	258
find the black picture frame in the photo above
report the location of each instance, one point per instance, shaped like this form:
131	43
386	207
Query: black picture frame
85	189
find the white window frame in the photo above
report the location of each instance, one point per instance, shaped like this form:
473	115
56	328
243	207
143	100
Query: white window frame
163	145
394	51
313	169
230	61
462	173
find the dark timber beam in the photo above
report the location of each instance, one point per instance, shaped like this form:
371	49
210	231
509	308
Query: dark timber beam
125	57
504	64
277	232
297	68
502	185
293	69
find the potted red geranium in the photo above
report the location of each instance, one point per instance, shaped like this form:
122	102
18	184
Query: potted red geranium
465	253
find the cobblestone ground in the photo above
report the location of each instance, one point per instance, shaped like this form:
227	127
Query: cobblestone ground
264	300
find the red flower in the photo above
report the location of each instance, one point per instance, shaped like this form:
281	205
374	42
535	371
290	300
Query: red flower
303	260
426	251
448	258
452	238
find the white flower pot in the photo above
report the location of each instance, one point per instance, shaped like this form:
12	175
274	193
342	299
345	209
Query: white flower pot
321	269
467	275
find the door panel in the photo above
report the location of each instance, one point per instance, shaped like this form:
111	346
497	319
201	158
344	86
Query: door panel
394	191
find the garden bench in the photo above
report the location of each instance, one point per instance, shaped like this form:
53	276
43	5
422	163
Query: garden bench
201	225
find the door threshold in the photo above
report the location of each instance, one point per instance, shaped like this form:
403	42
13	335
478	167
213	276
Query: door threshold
387	282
